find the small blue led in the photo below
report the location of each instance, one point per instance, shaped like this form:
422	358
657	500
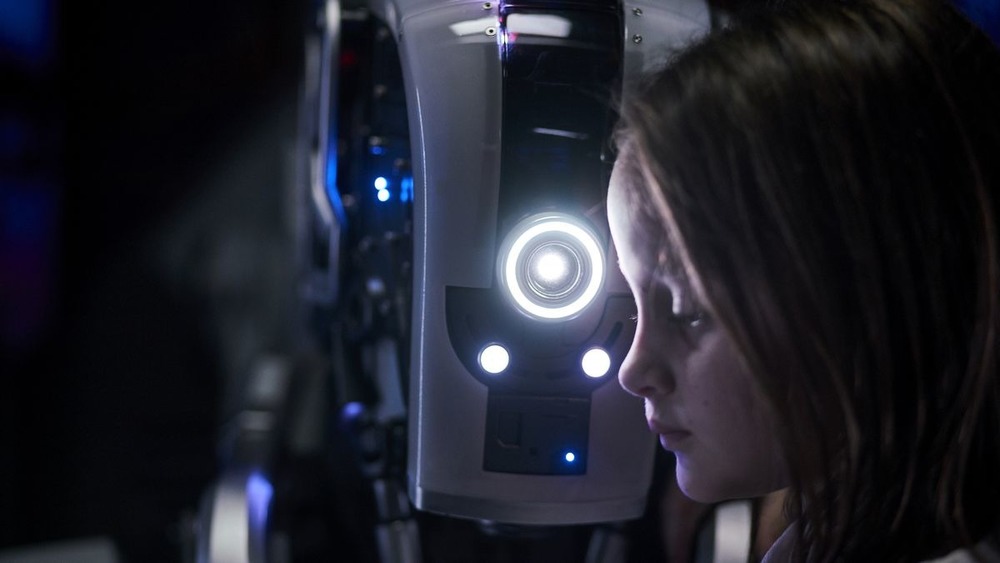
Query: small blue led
383	195
570	457
406	189
381	183
377	150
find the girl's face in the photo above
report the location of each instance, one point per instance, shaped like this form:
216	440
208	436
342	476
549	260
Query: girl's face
699	395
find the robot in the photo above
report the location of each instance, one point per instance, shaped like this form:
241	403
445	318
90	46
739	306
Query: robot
457	271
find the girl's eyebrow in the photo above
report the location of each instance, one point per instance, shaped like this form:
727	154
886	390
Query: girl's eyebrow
665	266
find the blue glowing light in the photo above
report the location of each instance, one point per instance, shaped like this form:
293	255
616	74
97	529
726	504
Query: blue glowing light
406	189
353	410
259	493
332	192
377	150
570	457
383	195
381	183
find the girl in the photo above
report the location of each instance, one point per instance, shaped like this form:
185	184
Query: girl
806	208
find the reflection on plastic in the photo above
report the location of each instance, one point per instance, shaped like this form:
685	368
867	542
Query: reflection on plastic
473	27
540	25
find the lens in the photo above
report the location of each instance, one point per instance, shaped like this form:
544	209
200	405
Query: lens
494	359
554	270
596	363
551	266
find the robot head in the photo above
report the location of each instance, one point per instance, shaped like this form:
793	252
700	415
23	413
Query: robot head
520	318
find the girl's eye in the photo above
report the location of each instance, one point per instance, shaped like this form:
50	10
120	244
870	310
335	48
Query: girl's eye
694	319
662	304
688	320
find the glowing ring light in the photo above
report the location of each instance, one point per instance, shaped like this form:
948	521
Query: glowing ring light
553	267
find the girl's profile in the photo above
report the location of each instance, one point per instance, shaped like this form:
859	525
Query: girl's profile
805	206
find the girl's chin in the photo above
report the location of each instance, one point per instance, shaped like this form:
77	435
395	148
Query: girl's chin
696	485
704	486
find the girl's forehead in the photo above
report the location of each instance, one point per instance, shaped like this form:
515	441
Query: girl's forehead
629	191
644	248
652	233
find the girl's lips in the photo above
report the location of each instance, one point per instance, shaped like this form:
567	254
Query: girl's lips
658	427
670	436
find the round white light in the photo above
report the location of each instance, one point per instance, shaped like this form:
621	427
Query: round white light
566	266
551	267
570	457
381	183
596	363
494	358
383	195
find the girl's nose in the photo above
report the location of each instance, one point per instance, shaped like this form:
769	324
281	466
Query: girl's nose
644	371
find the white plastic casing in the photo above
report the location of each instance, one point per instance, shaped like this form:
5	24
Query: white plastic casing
452	70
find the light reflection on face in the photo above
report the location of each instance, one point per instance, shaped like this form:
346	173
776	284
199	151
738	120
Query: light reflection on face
699	396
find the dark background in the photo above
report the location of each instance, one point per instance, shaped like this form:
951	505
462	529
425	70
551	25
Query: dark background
144	164
143	146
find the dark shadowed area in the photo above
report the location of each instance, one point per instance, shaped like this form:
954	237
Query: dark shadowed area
145	160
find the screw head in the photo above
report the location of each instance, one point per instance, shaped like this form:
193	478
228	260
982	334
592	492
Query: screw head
487	5
491	31
637	11
636	39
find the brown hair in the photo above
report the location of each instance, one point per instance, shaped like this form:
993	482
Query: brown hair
829	171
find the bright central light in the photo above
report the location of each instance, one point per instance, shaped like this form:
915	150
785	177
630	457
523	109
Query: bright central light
554	272
553	268
596	363
494	359
570	457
